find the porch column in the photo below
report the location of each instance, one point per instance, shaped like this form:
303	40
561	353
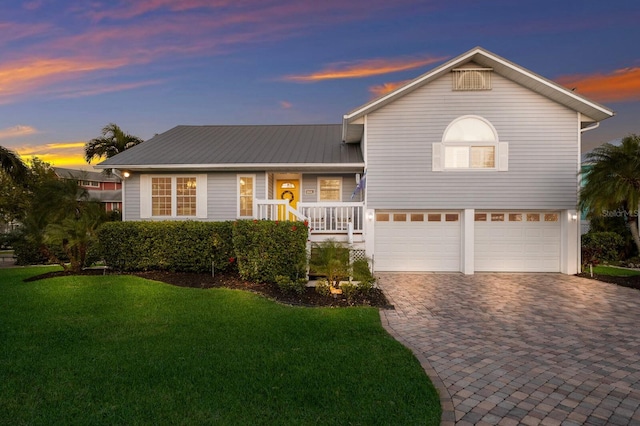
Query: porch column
369	234
468	241
570	242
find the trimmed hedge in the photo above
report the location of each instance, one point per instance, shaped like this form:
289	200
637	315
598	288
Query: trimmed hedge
601	247
268	249
261	250
186	246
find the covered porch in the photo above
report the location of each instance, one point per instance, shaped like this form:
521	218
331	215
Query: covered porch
331	202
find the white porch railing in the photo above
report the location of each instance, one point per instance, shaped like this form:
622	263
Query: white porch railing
277	210
333	217
328	218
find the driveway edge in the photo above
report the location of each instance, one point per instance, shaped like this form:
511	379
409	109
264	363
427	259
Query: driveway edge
446	402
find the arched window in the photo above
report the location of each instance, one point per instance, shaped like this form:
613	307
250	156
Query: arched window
470	142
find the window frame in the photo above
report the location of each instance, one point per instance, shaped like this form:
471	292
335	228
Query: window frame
500	149
239	195
146	196
340	187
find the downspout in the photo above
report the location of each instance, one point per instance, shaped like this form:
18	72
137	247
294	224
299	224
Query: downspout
592	127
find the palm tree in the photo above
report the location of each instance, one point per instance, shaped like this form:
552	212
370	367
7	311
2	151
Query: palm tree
13	166
612	185
113	141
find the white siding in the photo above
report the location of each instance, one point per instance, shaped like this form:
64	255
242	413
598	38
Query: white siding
543	150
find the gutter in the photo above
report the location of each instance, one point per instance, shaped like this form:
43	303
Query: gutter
592	127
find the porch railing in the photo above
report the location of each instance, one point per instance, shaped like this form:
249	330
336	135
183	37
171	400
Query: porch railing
322	217
277	210
333	217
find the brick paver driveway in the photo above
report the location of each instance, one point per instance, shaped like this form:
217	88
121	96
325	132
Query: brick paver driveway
528	349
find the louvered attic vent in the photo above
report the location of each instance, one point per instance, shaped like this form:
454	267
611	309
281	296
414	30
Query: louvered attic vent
471	78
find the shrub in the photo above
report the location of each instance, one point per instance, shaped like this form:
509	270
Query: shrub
331	259
267	249
362	273
27	250
601	247
187	246
287	285
349	290
323	287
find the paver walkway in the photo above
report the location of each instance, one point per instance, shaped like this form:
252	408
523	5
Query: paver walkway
528	349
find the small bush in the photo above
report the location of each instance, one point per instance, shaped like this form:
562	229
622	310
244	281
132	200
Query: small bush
267	249
323	288
362	273
331	259
349	290
287	285
601	247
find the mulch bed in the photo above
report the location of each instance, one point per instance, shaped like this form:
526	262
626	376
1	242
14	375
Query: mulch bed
631	282
231	280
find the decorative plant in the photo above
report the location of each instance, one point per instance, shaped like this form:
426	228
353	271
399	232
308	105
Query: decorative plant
331	259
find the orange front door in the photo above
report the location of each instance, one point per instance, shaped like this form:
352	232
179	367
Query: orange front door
288	189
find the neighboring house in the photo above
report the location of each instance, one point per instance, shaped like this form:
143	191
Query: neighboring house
103	188
472	166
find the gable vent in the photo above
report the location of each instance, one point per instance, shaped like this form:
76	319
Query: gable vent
471	78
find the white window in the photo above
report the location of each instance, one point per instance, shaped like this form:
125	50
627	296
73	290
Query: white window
470	142
246	191
330	189
167	196
90	183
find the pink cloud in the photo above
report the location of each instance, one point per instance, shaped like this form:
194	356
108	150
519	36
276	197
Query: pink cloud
384	88
285	105
17	131
365	68
109	88
616	86
28	75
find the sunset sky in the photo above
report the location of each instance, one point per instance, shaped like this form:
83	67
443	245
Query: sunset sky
68	68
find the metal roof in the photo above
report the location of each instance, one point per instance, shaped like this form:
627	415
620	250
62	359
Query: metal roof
107	196
238	147
65	173
505	68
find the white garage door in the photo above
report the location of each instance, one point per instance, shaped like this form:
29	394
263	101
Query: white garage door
417	241
517	241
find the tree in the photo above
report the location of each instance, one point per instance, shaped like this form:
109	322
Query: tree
75	234
113	141
12	165
612	185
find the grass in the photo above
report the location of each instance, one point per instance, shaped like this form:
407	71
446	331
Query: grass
124	350
613	271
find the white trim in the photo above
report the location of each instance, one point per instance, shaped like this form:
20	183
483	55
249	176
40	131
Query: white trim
367	108
467	257
328	178
235	166
201	196
253	201
501	149
122	210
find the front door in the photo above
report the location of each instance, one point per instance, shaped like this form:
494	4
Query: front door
288	189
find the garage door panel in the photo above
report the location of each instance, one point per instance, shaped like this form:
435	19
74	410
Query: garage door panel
517	246
417	246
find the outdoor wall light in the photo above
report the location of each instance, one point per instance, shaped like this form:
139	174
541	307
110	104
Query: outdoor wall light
370	215
574	217
126	174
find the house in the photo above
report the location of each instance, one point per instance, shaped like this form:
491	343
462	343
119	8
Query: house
105	188
470	167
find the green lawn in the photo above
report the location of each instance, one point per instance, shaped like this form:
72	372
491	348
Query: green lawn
614	272
124	350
